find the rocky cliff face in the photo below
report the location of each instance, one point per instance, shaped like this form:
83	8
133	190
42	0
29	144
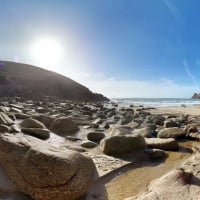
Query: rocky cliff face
196	96
32	82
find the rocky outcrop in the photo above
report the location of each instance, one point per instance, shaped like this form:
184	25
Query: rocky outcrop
44	171
196	96
28	81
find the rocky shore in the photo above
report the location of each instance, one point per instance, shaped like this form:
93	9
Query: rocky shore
59	149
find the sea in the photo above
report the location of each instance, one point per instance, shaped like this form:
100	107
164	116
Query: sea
156	102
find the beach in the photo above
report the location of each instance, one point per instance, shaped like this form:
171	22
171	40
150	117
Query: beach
115	151
185	110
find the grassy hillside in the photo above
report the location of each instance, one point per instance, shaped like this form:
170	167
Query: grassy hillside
18	79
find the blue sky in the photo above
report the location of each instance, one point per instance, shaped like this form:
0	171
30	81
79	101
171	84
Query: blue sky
121	48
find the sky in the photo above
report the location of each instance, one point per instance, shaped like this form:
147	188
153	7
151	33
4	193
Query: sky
120	48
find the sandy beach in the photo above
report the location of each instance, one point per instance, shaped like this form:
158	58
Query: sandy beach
186	110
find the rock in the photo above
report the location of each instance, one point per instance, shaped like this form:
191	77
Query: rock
122	144
63	126
156	153
165	144
170	123
37	132
95	136
4	129
15	110
32	123
125	120
15	128
174	185
88	144
5	120
44	171
120	130
72	138
74	148
145	132
193	136
21	116
171	133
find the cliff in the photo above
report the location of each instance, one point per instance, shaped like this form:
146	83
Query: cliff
29	81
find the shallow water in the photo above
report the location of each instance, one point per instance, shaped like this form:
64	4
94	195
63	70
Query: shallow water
136	180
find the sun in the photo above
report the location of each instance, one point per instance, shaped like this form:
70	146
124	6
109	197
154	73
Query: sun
46	52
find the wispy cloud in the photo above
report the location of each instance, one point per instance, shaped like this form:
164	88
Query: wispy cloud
190	75
174	11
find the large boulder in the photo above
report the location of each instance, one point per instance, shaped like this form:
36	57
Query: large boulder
63	126
174	132
159	143
32	123
44	171
122	144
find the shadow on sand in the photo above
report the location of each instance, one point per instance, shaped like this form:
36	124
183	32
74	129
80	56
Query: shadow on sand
97	190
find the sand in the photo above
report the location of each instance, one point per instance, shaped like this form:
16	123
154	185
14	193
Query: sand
186	110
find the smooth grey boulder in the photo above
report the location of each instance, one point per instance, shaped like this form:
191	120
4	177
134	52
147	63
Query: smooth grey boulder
44	171
32	123
174	132
37	132
95	136
122	144
162	143
63	126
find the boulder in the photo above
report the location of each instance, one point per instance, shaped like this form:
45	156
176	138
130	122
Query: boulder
95	136
4	129
44	171
156	153
174	185
174	132
145	132
21	116
122	144
32	123
165	144
37	132
63	126
88	144
5	119
170	123
120	130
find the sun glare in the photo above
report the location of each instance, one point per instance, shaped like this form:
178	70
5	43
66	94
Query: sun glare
47	52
